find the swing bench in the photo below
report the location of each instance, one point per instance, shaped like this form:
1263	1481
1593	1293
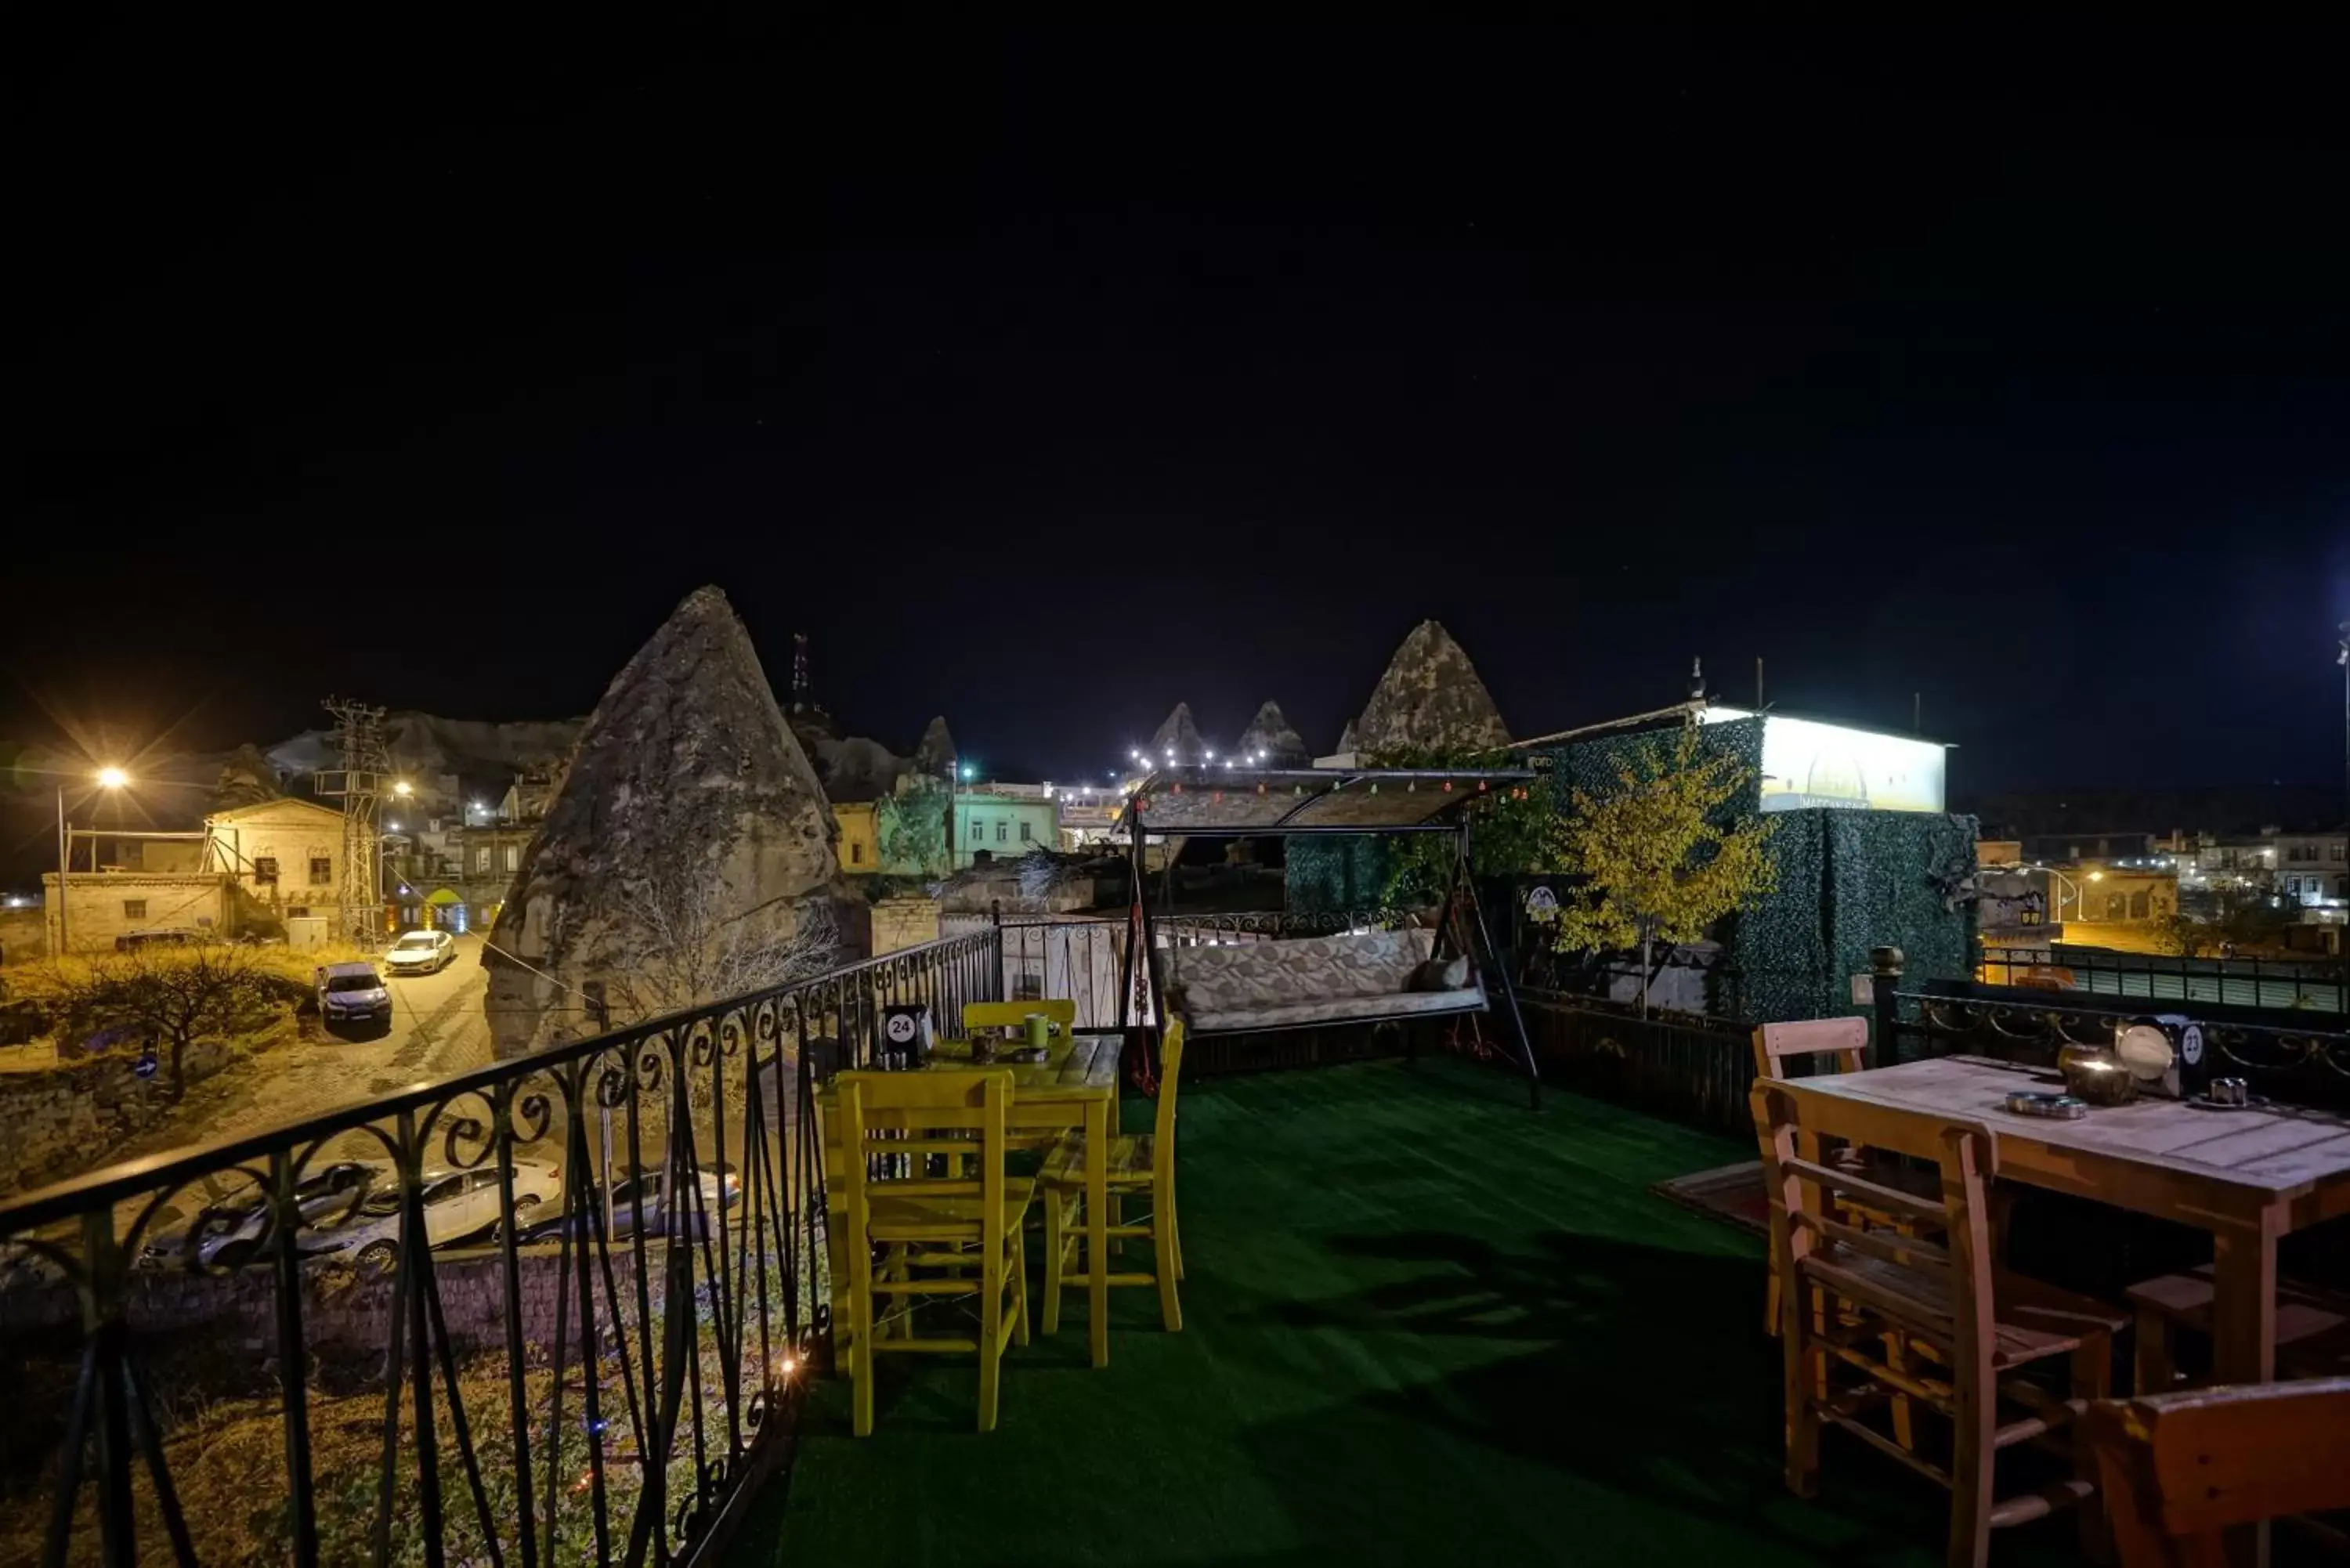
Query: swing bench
1380	978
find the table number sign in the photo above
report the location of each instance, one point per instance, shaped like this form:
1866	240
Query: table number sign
905	1039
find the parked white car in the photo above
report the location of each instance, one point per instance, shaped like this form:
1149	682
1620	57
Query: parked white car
227	1235
421	952
458	1206
643	1199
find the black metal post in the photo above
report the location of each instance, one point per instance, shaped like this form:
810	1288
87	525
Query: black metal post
1885	978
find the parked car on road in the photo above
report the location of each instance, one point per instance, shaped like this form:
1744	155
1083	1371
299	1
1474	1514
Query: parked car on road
421	952
458	1206
352	993
643	1199
227	1235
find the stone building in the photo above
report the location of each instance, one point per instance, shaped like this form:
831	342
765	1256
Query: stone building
105	905
286	856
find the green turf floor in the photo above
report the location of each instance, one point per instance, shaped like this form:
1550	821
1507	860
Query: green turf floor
1422	1324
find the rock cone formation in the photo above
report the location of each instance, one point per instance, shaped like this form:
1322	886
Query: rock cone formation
1428	701
1180	736
688	858
246	778
935	753
1271	734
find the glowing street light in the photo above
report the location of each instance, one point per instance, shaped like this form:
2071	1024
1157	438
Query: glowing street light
403	789
110	777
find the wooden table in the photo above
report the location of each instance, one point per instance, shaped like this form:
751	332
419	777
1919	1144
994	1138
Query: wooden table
1075	1087
2249	1177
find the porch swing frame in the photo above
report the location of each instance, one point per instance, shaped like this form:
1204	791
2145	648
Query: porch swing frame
1461	926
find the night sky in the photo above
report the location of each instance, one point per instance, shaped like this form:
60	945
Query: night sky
1047	380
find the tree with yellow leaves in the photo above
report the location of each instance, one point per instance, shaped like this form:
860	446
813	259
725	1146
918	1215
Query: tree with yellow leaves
1655	865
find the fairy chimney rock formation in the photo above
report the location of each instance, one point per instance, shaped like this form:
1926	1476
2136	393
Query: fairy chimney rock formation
934	754
1179	737
1428	701
1269	736
689	844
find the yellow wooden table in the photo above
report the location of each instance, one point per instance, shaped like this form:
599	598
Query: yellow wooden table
1075	1086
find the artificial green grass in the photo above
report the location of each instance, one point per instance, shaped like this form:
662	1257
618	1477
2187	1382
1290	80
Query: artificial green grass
1422	1324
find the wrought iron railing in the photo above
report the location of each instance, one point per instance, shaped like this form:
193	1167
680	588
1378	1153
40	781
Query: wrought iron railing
2313	983
2278	1055
270	1349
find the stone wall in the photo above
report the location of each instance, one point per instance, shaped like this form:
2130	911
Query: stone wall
72	1116
186	1319
105	905
68	1116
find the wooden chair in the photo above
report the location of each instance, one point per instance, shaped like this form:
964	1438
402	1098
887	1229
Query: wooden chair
2312	1328
2178	1469
1844	1042
937	1237
1981	1323
1140	1165
1060	1010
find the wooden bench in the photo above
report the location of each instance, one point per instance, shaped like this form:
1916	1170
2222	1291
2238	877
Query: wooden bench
2313	1327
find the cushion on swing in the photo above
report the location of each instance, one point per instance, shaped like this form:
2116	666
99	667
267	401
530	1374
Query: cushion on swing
1353	976
1435	974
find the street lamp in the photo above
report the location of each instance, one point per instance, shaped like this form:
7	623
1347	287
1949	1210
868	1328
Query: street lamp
108	778
2063	882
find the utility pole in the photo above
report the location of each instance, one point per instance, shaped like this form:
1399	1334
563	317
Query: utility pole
358	783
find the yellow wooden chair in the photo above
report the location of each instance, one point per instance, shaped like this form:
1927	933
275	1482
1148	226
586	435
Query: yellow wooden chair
1013	1017
1140	1165
978	1015
931	1232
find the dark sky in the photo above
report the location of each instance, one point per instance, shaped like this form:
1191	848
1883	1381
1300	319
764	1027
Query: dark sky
1046	380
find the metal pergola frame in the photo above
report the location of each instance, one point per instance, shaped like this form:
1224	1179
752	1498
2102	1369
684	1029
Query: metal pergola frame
1446	814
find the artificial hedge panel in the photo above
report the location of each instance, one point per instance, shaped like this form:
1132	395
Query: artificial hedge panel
1333	872
1590	765
1849	881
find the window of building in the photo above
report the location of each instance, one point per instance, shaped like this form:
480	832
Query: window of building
480	857
977	832
298	912
2141	906
1003	832
264	869
1024	834
512	857
322	870
134	908
855	853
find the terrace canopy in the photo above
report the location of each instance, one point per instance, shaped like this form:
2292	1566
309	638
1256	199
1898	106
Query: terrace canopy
1274	803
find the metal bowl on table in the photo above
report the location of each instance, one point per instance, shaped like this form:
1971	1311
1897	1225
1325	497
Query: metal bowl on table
2096	1076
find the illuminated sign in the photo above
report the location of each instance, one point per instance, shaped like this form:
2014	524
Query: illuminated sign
1806	763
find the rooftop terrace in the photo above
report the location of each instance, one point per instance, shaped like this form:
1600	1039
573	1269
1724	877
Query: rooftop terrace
1417	1320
